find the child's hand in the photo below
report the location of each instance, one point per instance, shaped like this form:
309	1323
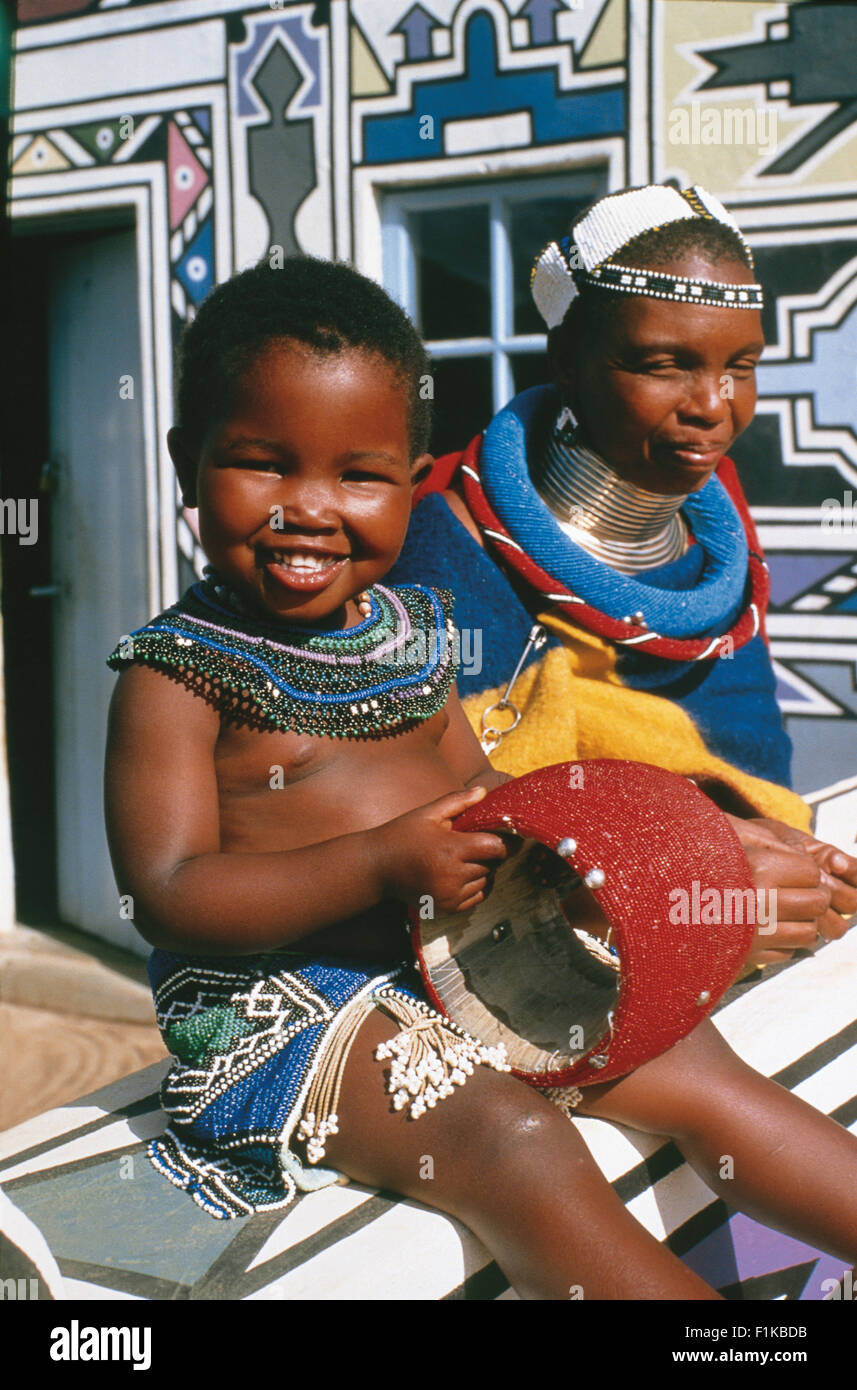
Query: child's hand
421	855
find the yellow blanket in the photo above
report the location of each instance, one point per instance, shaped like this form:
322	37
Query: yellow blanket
573	707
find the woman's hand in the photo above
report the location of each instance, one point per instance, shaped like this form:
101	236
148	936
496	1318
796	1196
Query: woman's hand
421	855
838	873
803	896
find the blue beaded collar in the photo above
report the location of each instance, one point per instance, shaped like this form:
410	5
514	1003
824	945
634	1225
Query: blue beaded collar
391	670
710	514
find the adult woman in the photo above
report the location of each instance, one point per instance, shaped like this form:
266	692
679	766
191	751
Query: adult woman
605	508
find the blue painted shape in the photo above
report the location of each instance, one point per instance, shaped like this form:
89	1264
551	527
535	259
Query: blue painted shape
293	34
541	14
846	604
195	269
791	574
787	690
761	1250
743	1249
202	118
823	750
486	91
828	377
838	681
714	1258
417	26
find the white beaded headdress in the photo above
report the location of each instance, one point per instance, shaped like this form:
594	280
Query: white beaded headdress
586	258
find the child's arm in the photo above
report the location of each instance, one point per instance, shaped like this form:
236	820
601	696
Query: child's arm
463	753
164	833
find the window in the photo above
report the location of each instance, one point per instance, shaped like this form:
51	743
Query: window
458	259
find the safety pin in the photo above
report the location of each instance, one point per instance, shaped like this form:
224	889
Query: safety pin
491	735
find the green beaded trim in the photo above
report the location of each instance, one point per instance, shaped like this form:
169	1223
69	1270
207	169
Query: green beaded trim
392	670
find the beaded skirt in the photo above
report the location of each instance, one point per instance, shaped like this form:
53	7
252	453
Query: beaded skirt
259	1048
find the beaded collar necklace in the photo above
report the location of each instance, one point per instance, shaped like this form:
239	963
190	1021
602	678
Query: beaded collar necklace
391	670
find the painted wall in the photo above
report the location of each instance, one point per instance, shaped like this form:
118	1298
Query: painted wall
229	128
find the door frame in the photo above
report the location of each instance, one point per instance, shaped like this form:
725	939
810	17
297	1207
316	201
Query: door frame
141	206
91	209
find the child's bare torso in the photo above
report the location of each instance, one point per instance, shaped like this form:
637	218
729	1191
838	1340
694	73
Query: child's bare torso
282	791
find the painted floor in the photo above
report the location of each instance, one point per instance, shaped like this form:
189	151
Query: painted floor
118	1230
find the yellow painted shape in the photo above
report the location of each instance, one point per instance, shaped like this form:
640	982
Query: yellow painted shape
40	157
368	78
724	167
608	41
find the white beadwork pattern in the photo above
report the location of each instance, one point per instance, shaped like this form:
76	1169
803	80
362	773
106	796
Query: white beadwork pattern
620	217
614	222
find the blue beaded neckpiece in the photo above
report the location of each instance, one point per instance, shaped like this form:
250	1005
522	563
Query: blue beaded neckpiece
392	670
715	597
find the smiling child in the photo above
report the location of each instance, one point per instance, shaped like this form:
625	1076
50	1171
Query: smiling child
282	778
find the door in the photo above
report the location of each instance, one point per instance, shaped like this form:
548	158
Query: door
98	546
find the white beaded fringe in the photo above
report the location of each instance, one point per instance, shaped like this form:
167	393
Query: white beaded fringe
565	1098
430	1056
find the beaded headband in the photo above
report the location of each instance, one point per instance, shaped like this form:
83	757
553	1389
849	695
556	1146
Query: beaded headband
586	257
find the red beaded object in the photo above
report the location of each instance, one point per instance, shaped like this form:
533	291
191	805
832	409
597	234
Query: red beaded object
669	874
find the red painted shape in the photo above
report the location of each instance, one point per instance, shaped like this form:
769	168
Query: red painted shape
186	177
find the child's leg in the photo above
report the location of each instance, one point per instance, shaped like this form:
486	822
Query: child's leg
508	1165
792	1167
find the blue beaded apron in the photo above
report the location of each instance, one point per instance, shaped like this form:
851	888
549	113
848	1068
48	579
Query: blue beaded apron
261	1043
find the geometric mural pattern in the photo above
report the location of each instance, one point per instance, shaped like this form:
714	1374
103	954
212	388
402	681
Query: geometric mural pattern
438	88
789	65
430	85
179	140
433	84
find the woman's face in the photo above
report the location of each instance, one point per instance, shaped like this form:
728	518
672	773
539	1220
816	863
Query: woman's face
661	390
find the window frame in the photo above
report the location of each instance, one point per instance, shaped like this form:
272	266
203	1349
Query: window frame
399	258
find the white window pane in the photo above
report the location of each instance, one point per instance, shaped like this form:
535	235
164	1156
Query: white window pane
460	257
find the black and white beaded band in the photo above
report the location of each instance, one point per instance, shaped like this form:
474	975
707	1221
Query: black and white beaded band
658	285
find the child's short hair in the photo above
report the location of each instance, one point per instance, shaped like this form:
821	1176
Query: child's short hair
327	305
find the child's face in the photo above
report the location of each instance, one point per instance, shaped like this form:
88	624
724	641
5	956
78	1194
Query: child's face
304	489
